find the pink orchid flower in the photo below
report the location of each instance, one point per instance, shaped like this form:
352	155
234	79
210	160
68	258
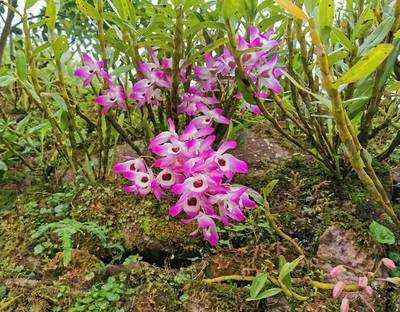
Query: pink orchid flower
143	183
227	163
90	70
207	225
137	164
114	97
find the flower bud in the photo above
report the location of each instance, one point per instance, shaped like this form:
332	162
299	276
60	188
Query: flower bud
345	306
388	263
363	281
336	271
368	291
337	290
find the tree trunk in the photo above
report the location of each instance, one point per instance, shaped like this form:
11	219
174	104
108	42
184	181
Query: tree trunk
6	29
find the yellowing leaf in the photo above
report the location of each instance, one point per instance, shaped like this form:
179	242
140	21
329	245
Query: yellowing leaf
60	45
87	9
326	13
366	65
50	14
292	9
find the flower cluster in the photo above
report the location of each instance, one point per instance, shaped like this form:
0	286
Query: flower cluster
114	96
261	65
155	78
196	173
362	282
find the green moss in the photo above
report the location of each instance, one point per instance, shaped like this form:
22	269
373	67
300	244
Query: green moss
138	224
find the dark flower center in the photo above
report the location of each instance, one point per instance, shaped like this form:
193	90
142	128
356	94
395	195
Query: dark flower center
198	183
246	57
166	176
221	162
90	71
132	167
144	179
112	99
265	74
207	120
192	201
232	64
175	149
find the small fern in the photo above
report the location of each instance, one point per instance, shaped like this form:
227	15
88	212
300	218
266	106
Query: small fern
65	229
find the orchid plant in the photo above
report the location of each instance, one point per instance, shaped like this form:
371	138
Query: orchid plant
186	163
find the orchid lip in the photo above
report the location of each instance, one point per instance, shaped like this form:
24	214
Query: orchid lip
192	201
167	176
198	183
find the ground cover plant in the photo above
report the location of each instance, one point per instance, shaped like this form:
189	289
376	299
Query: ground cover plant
199	155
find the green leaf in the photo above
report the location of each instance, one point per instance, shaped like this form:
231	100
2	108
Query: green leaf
202	25
397	34
265	4
267	23
3	166
30	3
87	9
38	249
326	14
366	65
287	280
20	64
395	256
41	48
243	87
288	267
268	293
269	188
337	56
381	233
338	35
292	9
66	244
212	46
258	284
112	297
50	14
60	46
377	36
6	80
230	8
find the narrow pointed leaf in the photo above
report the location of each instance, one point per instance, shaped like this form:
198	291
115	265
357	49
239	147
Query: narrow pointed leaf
258	284
366	65
341	37
326	13
288	267
292	9
87	9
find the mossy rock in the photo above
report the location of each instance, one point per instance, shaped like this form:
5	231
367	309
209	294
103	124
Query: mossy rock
140	225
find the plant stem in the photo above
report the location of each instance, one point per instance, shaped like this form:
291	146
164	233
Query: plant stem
176	57
279	231
346	131
123	134
16	153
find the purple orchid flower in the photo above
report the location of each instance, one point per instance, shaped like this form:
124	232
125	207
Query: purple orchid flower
143	183
90	70
207	225
227	163
137	164
114	97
